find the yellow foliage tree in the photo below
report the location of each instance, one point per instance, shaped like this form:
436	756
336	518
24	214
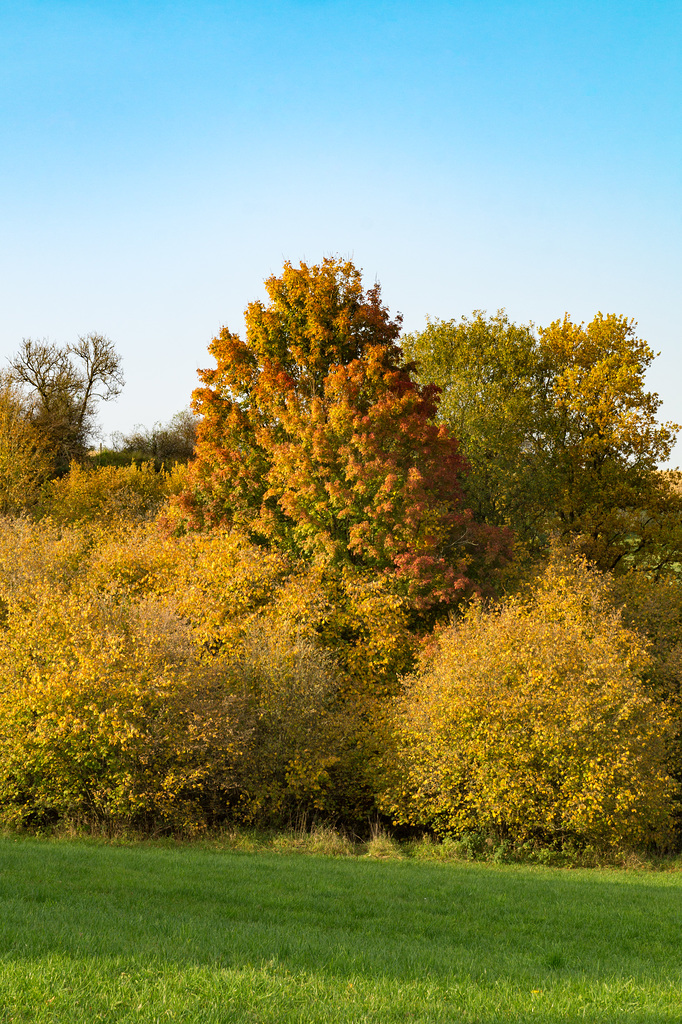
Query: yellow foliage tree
561	433
25	461
128	697
530	720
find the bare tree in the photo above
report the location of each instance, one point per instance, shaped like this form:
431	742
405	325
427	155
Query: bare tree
63	385
164	444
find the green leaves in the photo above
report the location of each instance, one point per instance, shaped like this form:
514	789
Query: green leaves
560	432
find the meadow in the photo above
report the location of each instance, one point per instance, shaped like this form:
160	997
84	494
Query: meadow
428	582
152	933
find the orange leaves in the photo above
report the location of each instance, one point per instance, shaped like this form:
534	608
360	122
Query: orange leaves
318	316
327	448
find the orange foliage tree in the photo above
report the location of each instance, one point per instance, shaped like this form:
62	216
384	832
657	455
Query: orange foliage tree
314	437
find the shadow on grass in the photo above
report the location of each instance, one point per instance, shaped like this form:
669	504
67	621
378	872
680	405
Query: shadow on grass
529	930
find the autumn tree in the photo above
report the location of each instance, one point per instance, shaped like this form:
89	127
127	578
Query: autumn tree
315	437
492	381
25	459
62	386
533	720
606	445
560	431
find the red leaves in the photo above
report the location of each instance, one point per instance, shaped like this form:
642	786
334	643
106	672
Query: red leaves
315	437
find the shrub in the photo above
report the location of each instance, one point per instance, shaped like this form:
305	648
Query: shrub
127	698
25	458
654	608
103	493
107	714
289	689
530	720
32	554
228	588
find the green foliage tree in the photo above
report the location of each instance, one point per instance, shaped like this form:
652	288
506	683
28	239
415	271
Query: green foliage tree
315	437
62	386
487	369
560	432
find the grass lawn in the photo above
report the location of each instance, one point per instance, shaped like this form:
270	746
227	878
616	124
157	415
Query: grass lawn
142	933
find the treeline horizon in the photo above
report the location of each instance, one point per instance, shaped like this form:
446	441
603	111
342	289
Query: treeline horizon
432	577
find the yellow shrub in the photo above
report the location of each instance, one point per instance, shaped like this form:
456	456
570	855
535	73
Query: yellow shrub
146	679
221	581
131	561
25	459
129	493
31	552
531	720
231	590
298	727
356	614
107	713
654	608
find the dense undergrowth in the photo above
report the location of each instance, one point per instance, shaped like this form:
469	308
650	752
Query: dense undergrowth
443	597
181	684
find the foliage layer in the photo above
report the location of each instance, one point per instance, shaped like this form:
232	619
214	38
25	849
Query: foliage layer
531	719
284	628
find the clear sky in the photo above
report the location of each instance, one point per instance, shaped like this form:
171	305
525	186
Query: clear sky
159	159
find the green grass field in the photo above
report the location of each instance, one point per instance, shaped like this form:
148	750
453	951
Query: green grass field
140	933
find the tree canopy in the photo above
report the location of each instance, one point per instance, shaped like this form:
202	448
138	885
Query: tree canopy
62	385
315	436
560	432
25	458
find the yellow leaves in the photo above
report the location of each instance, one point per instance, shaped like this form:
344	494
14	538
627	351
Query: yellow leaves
535	727
181	679
141	675
91	714
25	457
560	432
107	494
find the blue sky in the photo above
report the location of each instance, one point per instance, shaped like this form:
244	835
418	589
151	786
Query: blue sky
158	160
